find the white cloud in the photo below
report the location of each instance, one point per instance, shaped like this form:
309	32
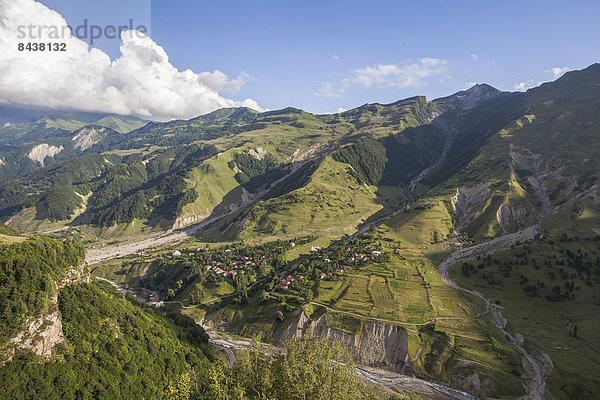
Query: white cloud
471	84
474	57
522	86
330	89
385	76
141	81
335	57
557	72
339	110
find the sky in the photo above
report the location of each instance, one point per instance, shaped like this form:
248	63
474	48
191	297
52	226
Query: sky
318	56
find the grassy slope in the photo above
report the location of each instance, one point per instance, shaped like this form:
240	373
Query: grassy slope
545	323
421	296
215	183
331	205
560	124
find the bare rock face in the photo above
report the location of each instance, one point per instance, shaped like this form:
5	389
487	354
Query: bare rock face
302	154
466	199
259	153
181	222
473	383
88	136
41	151
503	217
41	335
378	344
519	213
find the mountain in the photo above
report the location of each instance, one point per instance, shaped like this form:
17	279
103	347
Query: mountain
454	238
27	146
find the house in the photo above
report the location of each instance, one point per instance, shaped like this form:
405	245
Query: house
322	275
376	253
227	250
292	244
176	253
281	287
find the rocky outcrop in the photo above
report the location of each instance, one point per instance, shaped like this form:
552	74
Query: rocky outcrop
474	96
467	199
88	136
307	153
259	153
40	336
74	275
376	344
43	334
184	221
503	217
2	162
41	151
519	213
473	384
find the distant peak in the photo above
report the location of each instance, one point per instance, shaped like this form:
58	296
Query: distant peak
470	98
482	88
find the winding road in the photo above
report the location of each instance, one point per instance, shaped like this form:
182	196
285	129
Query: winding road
537	385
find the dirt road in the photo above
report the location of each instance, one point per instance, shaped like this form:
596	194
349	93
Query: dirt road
537	385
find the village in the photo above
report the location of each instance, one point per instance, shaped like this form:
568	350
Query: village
227	268
326	268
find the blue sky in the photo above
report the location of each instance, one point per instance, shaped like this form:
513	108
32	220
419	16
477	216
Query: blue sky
291	49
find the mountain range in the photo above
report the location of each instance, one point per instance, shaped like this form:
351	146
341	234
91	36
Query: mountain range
500	186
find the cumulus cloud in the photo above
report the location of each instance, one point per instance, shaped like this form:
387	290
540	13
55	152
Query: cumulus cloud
339	110
470	84
140	81
524	85
385	76
474	57
557	72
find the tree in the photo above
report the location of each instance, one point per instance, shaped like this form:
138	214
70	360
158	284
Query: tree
280	316
310	369
315	369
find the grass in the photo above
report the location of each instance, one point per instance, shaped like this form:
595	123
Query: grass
547	324
417	228
332	204
8	239
215	184
120	271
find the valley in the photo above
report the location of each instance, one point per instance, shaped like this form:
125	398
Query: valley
449	245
